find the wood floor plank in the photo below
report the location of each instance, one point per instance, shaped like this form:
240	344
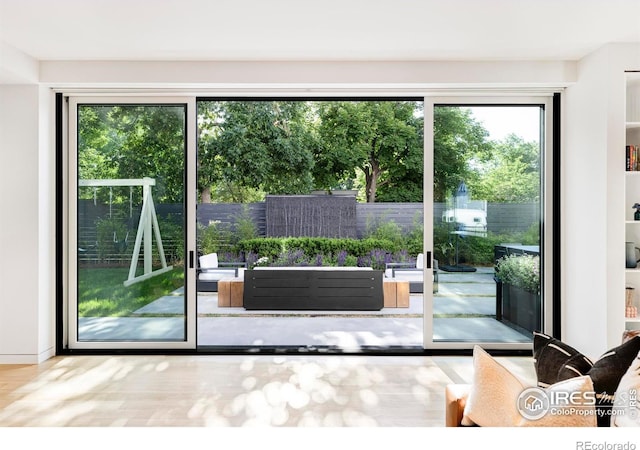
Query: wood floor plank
233	390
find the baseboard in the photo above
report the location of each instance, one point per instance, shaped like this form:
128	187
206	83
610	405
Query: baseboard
27	358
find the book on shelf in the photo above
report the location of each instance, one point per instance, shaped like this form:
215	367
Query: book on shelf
633	158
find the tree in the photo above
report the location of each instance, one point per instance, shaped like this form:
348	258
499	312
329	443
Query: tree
405	181
152	145
231	192
94	143
370	136
260	144
134	141
460	142
512	174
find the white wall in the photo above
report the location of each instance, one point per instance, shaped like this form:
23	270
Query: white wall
27	159
593	201
46	223
26	231
16	67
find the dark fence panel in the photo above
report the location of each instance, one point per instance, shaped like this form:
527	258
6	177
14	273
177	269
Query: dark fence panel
311	215
228	213
501	217
117	249
321	215
506	217
405	215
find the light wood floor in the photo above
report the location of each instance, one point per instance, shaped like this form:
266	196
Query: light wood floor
234	391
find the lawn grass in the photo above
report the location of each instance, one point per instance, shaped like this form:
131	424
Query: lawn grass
101	292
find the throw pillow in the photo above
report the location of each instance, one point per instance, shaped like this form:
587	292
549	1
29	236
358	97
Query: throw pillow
496	395
626	402
555	361
579	412
491	401
605	372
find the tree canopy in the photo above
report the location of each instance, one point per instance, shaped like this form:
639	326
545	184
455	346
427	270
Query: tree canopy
258	144
512	174
249	148
458	139
134	141
381	139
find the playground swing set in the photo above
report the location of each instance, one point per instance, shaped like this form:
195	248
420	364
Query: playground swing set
148	227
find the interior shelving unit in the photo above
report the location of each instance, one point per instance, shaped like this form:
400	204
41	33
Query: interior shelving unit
632	191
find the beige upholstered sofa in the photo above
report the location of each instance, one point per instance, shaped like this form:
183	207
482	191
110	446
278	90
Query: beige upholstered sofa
603	391
455	399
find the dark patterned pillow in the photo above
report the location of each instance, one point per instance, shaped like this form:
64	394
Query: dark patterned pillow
556	361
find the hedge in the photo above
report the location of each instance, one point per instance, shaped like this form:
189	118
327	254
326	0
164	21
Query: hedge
311	246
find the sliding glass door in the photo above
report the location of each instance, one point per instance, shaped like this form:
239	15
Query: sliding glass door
445	201
128	223
327	191
485	196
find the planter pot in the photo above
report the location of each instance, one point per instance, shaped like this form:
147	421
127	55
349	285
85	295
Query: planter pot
520	308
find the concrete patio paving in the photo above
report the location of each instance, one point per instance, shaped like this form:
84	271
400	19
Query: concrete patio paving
464	310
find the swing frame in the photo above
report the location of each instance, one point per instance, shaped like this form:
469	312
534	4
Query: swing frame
148	228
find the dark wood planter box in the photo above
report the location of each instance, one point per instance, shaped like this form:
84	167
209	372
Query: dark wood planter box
521	308
313	289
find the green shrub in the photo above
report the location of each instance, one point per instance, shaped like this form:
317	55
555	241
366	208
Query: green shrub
112	236
476	250
316	250
386	230
532	235
522	271
312	246
263	247
413	241
213	238
443	245
349	261
245	228
172	240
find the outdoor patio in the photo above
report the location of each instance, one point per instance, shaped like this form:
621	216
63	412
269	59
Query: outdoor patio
464	310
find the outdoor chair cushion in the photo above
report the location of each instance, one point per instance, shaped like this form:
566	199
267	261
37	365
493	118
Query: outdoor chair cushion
208	261
212	270
217	274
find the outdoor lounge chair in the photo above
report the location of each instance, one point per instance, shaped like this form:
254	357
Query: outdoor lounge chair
210	271
412	273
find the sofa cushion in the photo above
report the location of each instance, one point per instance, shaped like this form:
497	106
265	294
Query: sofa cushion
497	398
554	360
626	402
605	372
491	401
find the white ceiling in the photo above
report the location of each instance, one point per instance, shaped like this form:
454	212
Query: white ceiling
316	30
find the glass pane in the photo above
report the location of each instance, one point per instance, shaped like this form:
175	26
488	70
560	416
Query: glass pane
487	194
131	223
325	187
